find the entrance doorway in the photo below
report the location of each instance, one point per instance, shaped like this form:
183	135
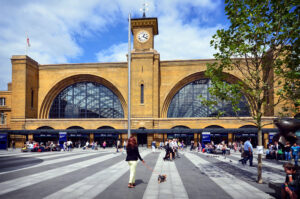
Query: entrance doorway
142	139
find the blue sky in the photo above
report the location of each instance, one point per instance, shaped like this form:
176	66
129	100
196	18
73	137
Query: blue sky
86	31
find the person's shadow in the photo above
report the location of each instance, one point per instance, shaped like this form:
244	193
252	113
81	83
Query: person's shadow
139	181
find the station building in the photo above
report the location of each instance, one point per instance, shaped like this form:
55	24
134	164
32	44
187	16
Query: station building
88	101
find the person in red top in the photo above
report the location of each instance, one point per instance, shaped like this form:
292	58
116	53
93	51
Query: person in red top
36	147
132	157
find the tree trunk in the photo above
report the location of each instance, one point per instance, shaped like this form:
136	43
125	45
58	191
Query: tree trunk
259	160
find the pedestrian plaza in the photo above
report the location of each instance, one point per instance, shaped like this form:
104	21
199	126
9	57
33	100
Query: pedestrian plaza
105	173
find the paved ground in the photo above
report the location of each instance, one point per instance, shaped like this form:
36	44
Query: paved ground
105	174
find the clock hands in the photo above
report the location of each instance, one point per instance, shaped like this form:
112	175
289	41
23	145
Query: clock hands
145	36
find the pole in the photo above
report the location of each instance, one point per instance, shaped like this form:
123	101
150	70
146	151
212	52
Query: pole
129	73
26	47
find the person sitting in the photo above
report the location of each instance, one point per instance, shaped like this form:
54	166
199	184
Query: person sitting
25	148
42	148
291	184
30	146
35	147
268	155
272	151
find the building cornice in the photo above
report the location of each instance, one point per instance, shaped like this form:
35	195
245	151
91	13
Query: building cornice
5	92
144	22
190	62
148	119
84	65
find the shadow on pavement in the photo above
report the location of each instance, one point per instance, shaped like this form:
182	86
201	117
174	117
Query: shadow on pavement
12	163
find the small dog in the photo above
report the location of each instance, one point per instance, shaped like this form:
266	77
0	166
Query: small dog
161	178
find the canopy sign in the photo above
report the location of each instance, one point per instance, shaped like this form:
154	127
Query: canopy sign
206	137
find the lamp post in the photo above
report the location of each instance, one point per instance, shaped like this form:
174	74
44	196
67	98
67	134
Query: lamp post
129	74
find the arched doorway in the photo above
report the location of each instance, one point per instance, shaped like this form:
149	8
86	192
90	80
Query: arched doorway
217	135
185	137
246	132
108	136
78	139
142	137
45	135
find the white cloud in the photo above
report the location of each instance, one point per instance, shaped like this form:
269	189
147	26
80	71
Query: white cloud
55	27
184	41
176	39
116	53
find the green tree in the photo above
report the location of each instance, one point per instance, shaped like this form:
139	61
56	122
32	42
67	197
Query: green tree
262	45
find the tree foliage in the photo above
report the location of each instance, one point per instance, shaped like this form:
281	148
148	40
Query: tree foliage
262	45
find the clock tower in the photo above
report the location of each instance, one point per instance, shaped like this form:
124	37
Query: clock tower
144	69
143	31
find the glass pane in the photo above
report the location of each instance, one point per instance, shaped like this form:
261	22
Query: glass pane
187	102
86	100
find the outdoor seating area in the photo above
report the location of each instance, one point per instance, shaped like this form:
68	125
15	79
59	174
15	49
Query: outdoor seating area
40	147
219	151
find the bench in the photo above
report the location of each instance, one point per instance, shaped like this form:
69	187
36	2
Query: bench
218	151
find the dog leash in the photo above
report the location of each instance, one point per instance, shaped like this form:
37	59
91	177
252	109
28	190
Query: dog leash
150	169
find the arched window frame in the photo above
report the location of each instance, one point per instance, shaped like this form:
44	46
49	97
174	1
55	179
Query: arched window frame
86	100
187	103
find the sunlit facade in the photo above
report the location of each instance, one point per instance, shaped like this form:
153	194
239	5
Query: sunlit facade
89	101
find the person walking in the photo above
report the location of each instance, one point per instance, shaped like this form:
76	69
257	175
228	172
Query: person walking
295	153
153	145
118	145
124	145
13	144
175	145
132	158
287	151
248	151
104	144
224	147
86	145
192	145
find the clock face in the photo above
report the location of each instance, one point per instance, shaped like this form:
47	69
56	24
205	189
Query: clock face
143	36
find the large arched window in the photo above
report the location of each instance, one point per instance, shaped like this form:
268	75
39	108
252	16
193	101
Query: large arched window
86	100
187	102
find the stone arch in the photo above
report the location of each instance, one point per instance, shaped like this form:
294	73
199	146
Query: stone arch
45	127
247	126
75	127
214	127
106	127
199	75
180	127
61	85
